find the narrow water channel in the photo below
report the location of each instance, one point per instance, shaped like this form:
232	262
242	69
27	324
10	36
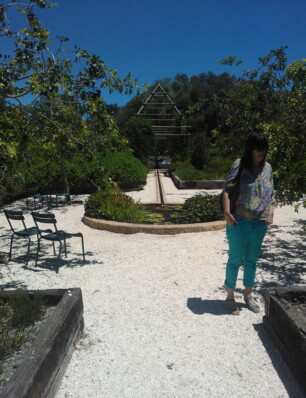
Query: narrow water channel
160	193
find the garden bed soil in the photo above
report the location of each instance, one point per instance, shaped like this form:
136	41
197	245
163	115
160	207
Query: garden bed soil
165	214
197	184
3	257
43	365
285	321
10	362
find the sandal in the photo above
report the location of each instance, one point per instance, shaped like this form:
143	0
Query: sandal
254	308
232	306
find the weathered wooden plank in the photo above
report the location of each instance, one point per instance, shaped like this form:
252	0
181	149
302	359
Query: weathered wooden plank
286	326
40	371
288	330
296	368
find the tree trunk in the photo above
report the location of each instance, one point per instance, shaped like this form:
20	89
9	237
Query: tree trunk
64	177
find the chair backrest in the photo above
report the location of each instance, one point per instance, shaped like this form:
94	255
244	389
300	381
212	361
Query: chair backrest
44	218
16	216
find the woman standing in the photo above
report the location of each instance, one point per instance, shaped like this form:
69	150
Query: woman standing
248	210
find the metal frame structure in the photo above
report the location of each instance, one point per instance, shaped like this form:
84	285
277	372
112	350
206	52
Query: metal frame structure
167	121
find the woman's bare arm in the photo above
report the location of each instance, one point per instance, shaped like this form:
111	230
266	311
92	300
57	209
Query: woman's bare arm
230	219
269	220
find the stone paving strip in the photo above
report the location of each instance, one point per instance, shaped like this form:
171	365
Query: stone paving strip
149	194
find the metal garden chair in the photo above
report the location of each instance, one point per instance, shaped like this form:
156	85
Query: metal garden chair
33	191
15	218
57	189
55	235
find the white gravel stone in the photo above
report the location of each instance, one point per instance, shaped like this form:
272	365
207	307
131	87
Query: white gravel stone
149	193
174	195
155	321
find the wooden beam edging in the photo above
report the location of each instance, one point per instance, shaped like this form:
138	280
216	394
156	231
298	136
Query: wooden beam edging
286	325
129	228
41	370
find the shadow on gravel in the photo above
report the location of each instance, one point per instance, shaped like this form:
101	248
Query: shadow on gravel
61	207
13	285
288	379
283	261
214	307
51	263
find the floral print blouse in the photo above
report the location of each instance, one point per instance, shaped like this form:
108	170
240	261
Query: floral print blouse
255	191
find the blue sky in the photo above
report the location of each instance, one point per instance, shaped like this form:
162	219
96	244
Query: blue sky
153	39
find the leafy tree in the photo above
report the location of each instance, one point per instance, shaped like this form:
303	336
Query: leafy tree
13	140
44	70
198	98
139	134
52	145
62	105
272	99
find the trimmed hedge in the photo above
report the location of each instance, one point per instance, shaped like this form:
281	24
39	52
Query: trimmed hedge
112	204
216	169
125	169
203	208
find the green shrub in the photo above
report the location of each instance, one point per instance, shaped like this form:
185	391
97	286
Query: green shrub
189	173
203	208
179	164
114	205
125	169
9	340
26	308
218	168
15	315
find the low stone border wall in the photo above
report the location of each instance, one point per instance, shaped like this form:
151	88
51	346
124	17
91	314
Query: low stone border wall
127	228
41	370
197	184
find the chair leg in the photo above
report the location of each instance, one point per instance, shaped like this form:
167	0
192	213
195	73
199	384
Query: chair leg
60	249
38	248
11	245
83	248
54	248
27	258
65	247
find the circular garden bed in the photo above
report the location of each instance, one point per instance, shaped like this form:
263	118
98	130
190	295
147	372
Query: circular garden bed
166	229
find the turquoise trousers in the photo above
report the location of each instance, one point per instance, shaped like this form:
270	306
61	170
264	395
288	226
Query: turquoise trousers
245	240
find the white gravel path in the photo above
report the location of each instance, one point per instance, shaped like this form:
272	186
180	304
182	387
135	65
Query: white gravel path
155	321
149	194
174	195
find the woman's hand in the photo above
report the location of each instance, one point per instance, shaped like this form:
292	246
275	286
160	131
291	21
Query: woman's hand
230	219
269	220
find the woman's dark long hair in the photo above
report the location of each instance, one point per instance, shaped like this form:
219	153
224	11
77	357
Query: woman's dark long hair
256	141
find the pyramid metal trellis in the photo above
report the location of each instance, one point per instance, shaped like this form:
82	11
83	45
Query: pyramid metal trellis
167	120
